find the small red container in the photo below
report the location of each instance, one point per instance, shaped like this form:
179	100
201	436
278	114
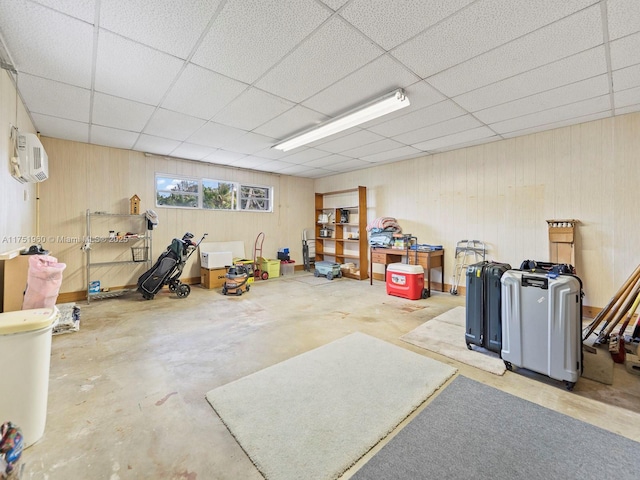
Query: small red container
405	281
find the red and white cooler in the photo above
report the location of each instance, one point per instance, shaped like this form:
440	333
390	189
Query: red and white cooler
405	281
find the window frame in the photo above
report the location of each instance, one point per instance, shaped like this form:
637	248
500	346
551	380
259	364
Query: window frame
236	193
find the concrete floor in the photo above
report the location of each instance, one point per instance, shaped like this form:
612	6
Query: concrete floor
127	392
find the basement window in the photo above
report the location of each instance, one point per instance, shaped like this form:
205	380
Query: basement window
254	198
207	194
177	192
218	195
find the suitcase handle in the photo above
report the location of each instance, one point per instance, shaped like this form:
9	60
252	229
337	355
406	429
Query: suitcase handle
537	282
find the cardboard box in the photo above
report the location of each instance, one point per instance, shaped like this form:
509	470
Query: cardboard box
212	278
213	260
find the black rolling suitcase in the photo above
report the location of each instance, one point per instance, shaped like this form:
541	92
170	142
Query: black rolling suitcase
483	325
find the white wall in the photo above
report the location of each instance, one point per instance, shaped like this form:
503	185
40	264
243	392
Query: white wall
17	206
503	192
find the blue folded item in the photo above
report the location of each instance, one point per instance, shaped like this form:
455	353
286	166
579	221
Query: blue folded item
424	247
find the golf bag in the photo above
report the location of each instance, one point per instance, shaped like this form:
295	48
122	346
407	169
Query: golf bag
168	268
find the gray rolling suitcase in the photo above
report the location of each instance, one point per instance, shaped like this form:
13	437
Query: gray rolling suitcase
541	324
483	322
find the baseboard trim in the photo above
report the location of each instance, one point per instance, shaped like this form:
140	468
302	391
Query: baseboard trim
68	297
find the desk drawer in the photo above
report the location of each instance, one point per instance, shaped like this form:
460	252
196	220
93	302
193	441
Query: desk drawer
378	257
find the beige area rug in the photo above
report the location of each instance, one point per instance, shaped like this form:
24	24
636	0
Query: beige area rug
445	335
316	414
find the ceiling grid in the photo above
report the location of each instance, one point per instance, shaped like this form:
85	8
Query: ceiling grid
223	81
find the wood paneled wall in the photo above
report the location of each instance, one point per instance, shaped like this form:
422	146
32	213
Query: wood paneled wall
503	192
99	178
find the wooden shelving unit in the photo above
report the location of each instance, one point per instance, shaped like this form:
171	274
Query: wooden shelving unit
347	223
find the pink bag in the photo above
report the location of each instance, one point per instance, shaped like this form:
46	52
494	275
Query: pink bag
43	282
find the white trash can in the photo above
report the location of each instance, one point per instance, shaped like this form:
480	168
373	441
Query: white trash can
25	356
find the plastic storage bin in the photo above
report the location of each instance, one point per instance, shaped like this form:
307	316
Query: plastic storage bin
272	267
287	268
406	281
25	352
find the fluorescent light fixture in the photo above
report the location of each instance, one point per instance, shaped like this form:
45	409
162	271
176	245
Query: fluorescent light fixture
377	108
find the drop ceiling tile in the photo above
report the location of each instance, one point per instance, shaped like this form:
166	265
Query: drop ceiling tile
375	79
293	169
351	141
629	109
113	137
201	93
298	171
131	70
559	124
157	145
479	28
472	143
82	9
214	135
577	67
626	98
61	128
623	16
251	109
419	118
558	114
319	61
110	111
304	156
224	157
363	151
316	173
54	98
327	161
169	26
625	51
46	43
173	125
349	165
249	143
334	4
249	162
566	37
583	90
275	26
291	122
626	78
456	138
449	127
274	166
398	153
391	23
192	151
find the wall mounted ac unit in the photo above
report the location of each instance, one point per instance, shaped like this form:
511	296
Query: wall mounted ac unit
33	162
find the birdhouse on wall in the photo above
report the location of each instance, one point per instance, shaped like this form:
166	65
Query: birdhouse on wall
134	205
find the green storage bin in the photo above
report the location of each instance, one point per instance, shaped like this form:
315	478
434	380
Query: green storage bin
272	267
